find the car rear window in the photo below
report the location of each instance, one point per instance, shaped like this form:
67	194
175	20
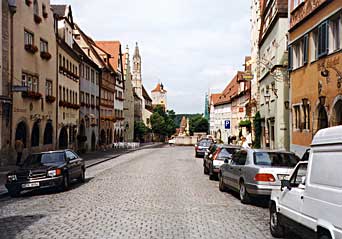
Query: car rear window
275	159
44	159
227	152
204	143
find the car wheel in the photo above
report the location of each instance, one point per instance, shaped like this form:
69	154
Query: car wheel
14	193
82	176
277	230
196	155
324	235
222	187
66	182
211	173
244	196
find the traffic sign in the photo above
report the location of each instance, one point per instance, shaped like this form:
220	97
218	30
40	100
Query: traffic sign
227	124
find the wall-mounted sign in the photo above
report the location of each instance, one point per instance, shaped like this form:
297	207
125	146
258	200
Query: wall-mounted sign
19	88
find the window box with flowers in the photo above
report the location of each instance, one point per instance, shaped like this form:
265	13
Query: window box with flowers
31	48
87	105
45	55
37	19
28	2
50	98
82	104
75	106
31	94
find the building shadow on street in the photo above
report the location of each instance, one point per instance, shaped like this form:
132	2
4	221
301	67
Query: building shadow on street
11	226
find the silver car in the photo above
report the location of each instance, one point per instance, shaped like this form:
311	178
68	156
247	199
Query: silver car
255	172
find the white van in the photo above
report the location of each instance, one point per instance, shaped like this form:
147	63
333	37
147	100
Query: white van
310	202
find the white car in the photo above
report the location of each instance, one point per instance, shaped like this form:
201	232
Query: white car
172	141
310	202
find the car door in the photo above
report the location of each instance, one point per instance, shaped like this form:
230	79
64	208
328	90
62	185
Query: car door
291	199
229	170
239	168
73	163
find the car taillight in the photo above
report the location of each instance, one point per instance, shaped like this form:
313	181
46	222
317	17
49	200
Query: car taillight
58	172
264	177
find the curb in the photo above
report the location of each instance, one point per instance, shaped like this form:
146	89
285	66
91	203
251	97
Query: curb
4	194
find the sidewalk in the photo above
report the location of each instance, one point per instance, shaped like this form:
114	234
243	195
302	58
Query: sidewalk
91	159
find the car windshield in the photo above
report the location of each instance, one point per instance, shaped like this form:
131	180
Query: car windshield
226	153
204	143
276	159
44	159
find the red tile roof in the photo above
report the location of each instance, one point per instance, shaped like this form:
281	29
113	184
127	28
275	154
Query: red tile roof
231	90
214	98
158	88
113	48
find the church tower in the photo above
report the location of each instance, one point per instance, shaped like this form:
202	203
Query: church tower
159	96
136	79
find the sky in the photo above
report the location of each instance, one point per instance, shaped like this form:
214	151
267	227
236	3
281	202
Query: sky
191	46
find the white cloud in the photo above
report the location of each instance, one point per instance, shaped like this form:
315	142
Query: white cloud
189	45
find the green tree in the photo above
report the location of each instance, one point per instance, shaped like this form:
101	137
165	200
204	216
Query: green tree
158	123
257	130
139	130
163	122
198	124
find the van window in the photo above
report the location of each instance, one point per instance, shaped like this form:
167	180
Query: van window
326	169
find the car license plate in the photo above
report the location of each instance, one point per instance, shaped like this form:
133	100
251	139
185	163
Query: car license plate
30	185
282	176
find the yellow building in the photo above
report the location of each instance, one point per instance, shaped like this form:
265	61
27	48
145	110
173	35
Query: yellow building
33	66
68	79
315	59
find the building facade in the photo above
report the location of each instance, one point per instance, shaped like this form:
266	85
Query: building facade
315	63
89	102
32	51
159	96
274	81
114	49
129	98
68	79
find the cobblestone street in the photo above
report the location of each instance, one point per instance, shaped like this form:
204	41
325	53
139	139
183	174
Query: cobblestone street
151	193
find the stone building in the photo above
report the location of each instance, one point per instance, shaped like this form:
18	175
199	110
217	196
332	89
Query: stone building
89	100
159	96
139	89
315	64
106	84
114	49
214	116
32	50
68	78
129	98
273	80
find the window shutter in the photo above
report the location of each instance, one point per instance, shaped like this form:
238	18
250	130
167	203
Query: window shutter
305	49
290	58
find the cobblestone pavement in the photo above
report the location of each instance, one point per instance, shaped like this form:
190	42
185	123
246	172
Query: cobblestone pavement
152	193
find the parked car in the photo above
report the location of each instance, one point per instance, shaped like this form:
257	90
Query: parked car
216	158
172	141
310	202
255	172
201	147
44	170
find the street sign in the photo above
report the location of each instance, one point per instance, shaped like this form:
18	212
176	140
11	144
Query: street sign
19	88
227	124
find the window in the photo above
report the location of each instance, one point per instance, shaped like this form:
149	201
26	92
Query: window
297	116
92	99
335	33
60	93
43	46
28	38
64	94
92	76
35	7
296	3
82	97
299	175
97	78
87	98
298	53
48	87
30	81
275	159
322	39
306	117
97	101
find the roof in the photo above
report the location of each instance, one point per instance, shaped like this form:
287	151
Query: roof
145	94
231	90
332	135
214	98
159	88
113	48
59	9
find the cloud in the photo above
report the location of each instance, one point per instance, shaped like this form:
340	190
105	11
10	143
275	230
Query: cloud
190	45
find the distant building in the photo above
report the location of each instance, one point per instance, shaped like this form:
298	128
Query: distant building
315	64
159	96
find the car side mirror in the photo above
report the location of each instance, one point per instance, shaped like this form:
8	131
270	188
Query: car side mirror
285	183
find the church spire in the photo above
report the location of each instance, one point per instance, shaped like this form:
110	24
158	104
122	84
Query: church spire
136	51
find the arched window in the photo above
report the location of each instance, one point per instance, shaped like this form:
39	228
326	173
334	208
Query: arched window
35	135
35	7
322	118
21	132
48	133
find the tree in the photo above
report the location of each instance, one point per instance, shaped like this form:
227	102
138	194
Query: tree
198	124
163	122
139	130
257	130
158	123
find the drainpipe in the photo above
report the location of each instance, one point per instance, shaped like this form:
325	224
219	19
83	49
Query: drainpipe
12	8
